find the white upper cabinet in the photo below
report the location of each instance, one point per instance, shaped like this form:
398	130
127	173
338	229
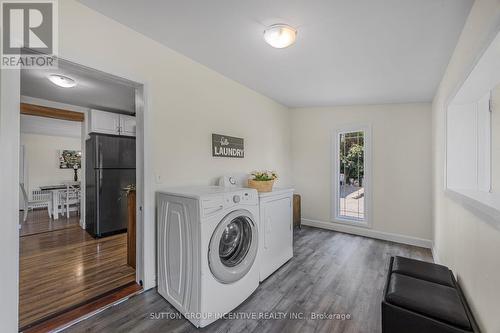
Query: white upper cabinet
111	123
127	125
104	122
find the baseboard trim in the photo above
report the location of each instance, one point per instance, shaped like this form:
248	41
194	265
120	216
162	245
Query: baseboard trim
370	233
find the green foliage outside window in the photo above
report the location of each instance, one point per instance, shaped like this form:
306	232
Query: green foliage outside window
351	156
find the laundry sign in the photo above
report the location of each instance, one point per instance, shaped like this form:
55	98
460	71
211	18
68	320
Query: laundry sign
227	146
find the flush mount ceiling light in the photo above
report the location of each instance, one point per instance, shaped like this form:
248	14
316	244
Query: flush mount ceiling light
280	35
62	81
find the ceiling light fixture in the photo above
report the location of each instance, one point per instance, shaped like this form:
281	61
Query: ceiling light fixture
280	35
62	80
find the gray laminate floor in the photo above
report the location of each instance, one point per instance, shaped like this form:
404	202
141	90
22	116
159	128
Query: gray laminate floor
331	273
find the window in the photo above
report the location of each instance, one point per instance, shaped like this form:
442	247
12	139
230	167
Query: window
352	170
468	143
472	165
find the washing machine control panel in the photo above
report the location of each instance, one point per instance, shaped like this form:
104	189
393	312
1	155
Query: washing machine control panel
244	197
215	204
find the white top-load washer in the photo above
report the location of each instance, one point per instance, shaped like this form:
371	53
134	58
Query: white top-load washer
276	224
207	242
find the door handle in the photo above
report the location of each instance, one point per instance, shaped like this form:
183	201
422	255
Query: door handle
99	156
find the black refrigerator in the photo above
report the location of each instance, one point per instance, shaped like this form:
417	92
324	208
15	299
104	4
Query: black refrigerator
110	169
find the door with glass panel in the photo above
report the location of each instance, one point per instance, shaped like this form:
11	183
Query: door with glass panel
351	175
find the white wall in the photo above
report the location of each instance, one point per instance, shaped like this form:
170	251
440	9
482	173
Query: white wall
185	103
42	159
401	166
465	241
188	102
50	126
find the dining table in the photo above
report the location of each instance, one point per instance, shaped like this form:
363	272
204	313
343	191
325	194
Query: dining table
54	190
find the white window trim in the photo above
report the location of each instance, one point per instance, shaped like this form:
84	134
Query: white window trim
482	203
367	222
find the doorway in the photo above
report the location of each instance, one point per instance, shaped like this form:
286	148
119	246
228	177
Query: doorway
63	265
49	168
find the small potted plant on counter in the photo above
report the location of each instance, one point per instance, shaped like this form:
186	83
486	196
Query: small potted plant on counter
262	181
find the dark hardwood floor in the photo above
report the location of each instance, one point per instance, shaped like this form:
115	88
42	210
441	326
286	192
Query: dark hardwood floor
63	268
66	318
38	221
330	273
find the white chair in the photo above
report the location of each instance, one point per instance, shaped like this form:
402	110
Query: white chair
70	200
29	204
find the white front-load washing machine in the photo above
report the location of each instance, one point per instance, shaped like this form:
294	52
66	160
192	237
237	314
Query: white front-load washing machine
275	225
207	242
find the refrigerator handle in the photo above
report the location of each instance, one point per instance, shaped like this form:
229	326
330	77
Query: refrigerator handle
99	155
100	180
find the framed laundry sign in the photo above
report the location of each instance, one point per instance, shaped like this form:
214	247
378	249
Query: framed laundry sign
227	146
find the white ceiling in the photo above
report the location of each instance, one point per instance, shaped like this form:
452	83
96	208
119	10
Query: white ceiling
94	90
347	51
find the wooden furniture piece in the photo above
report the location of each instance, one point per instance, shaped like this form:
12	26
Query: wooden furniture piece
131	229
112	123
28	204
296	211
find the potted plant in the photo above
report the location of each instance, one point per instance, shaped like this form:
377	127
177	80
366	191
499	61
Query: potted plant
262	181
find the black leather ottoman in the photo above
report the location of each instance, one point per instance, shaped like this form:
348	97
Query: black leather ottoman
423	297
423	270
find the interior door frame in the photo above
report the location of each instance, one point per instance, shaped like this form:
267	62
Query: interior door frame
22	170
83	129
145	231
145	270
10	94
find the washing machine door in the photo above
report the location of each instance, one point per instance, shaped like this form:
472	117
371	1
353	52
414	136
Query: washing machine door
233	246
